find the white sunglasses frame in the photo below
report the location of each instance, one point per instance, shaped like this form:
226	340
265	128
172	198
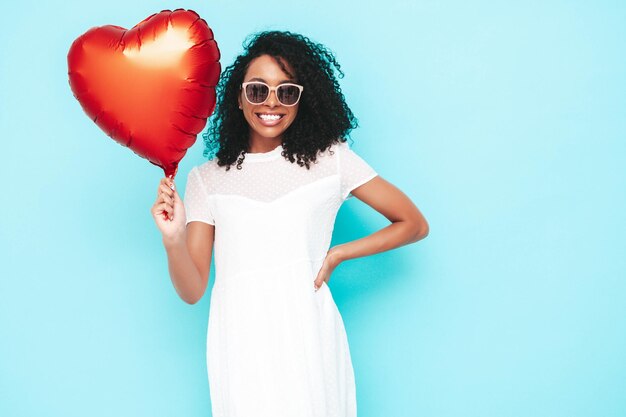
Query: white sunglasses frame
275	89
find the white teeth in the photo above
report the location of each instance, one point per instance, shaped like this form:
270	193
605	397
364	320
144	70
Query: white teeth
269	116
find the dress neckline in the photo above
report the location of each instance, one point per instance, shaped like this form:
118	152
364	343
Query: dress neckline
264	156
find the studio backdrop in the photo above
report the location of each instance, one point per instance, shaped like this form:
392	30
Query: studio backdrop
504	123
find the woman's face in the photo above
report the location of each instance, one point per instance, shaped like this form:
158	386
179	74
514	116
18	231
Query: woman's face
264	68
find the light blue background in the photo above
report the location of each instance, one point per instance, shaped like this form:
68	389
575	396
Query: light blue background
504	123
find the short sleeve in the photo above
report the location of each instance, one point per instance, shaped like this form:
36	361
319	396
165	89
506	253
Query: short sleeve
196	199
353	170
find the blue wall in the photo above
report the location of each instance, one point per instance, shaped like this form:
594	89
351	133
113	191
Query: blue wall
504	123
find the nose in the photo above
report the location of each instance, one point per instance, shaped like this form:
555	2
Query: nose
272	100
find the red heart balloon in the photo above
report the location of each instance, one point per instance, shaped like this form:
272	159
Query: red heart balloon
150	88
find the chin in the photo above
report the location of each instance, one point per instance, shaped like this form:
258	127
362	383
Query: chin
269	132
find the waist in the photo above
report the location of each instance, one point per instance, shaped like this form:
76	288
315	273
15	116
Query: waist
302	269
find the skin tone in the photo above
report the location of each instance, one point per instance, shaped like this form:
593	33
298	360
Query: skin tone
265	136
189	249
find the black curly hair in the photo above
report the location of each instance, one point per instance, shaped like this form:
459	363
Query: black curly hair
323	116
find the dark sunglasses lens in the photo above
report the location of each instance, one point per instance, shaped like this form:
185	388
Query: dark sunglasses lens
257	93
288	94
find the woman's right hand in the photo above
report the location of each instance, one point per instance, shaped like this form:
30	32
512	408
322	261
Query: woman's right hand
168	202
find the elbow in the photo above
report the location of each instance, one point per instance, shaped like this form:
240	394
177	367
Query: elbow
421	231
191	300
194	295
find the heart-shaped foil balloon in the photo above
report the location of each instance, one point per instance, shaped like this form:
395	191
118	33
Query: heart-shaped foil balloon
150	88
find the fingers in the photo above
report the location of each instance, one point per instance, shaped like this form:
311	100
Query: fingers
166	185
166	197
168	200
163	208
166	193
318	284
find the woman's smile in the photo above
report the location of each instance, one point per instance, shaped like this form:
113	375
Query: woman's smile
270	119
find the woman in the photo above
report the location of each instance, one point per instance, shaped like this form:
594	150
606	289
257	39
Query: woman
276	345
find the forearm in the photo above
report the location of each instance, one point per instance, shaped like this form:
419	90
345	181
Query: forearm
183	272
396	234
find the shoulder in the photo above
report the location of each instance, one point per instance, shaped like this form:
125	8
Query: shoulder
342	150
330	156
205	169
203	173
335	149
340	145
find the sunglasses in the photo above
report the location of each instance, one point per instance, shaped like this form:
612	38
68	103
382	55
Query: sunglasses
257	92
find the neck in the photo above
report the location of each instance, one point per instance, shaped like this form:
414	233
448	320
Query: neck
261	144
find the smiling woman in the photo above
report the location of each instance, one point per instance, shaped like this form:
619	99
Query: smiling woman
267	116
276	342
293	99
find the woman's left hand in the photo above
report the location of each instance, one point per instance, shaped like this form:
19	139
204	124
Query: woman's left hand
331	261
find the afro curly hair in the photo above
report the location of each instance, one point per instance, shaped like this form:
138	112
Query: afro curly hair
323	116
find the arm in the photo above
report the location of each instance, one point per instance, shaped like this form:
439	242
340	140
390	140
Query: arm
189	260
188	246
408	225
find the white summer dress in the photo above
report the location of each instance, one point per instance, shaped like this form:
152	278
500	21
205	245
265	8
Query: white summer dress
275	346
